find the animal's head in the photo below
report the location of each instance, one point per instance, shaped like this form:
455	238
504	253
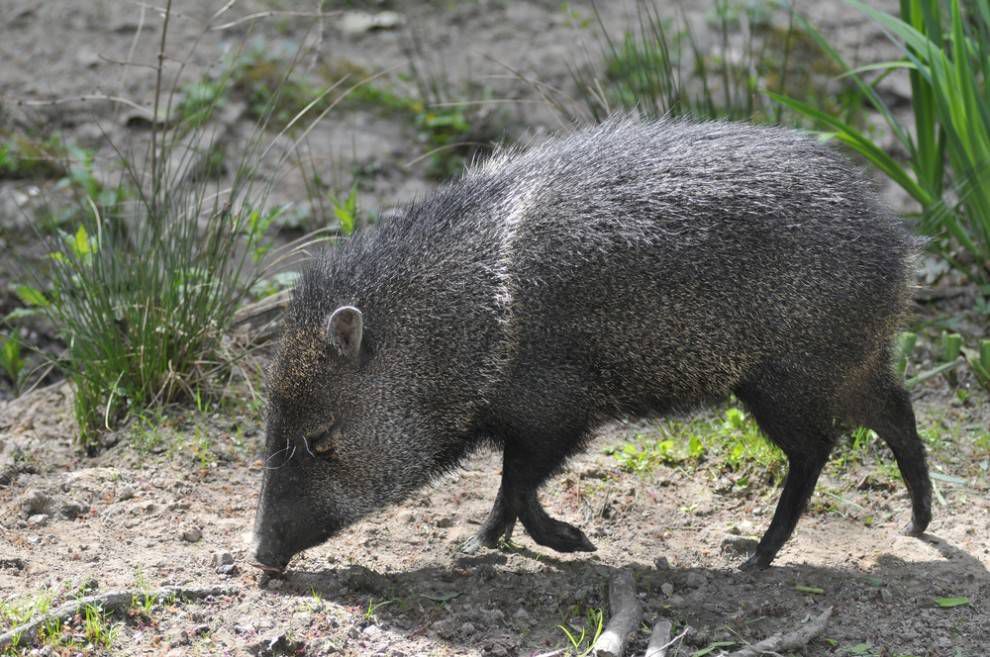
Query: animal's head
327	462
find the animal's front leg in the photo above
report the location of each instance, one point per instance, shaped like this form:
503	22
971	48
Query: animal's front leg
500	522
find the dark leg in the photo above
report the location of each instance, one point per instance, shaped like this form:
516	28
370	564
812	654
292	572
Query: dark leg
499	524
523	471
887	410
802	475
796	421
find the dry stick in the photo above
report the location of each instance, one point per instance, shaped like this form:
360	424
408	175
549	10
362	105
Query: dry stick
791	641
626	614
660	639
111	601
154	113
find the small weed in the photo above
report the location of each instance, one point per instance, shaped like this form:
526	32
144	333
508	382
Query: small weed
982	443
98	629
582	639
15	613
146	433
201	450
315	603
370	614
11	361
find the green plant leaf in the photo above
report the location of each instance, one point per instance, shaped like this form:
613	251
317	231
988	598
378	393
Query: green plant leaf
949	603
31	296
809	589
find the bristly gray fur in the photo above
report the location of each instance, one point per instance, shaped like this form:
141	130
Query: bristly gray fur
624	269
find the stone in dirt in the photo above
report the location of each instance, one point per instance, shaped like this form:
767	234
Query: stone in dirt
227	569
73	509
34	502
279	644
221	559
38	520
192	535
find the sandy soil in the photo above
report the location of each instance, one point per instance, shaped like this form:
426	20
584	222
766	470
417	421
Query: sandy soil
396	583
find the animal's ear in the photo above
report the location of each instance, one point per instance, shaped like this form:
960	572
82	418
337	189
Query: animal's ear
344	329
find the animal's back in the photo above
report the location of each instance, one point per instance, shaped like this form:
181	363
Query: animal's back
660	262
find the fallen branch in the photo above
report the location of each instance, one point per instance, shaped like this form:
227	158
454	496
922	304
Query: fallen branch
111	601
626	614
780	641
660	639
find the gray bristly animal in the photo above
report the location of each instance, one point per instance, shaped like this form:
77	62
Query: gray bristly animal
625	270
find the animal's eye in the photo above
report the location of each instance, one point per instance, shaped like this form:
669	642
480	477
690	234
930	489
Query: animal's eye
321	439
323	443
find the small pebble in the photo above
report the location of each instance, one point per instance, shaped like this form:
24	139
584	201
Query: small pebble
192	535
227	569
38	520
73	509
34	502
667	588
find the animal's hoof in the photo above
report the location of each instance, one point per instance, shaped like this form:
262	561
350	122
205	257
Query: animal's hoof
564	538
914	529
476	544
756	562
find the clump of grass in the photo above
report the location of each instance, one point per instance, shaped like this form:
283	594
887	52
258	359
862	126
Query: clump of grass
948	149
14	613
144	286
660	69
98	629
581	639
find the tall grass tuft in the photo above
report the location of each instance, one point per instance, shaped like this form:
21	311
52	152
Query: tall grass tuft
145	287
661	68
946	51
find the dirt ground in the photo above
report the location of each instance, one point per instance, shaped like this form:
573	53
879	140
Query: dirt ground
160	513
171	503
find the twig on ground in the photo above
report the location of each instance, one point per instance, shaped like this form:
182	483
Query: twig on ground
660	638
626	614
110	601
781	641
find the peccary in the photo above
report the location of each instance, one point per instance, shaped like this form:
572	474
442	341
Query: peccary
625	270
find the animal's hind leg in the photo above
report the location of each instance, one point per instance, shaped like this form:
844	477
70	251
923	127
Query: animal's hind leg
886	408
803	431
